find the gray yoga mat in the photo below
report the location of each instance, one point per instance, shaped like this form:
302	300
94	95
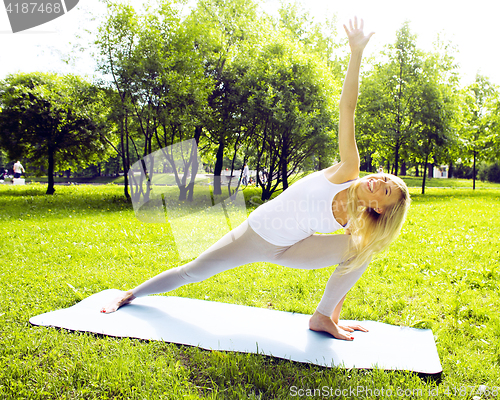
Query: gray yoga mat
220	326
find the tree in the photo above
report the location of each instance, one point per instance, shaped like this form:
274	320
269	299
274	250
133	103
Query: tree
435	112
388	99
480	128
433	122
290	109
52	120
227	28
158	74
115	41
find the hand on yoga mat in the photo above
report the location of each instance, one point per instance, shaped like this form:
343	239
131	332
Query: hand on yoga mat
357	39
352	328
322	323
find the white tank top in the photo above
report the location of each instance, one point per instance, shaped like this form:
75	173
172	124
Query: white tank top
300	211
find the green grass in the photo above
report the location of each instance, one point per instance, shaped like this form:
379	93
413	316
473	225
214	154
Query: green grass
454	183
411	181
97	179
442	273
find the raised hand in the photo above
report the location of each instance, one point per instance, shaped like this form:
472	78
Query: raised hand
357	39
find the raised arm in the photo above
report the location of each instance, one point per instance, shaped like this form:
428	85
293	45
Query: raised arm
349	156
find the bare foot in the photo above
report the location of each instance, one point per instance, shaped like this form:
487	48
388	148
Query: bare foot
121	300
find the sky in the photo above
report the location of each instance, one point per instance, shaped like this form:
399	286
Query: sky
471	26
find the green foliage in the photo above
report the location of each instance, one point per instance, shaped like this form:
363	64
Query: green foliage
156	72
480	128
51	120
290	109
490	172
407	106
388	99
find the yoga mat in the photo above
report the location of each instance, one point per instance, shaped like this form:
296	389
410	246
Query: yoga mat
229	327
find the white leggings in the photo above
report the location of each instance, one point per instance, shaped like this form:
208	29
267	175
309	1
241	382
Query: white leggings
242	246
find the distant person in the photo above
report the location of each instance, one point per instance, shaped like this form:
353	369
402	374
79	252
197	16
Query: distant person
246	174
380	170
18	169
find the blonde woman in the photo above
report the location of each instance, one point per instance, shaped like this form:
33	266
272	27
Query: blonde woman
284	230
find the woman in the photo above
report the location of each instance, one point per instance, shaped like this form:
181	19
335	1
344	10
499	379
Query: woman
282	231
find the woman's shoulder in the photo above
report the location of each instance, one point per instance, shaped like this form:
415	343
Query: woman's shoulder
341	172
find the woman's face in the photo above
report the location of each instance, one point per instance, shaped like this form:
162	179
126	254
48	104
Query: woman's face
378	191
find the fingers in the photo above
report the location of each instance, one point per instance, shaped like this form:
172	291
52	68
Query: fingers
346	328
355	25
359	328
352	328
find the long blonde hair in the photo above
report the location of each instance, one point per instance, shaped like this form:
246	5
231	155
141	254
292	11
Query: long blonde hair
371	232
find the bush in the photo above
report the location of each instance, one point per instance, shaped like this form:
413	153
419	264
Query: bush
493	174
462	171
490	172
483	172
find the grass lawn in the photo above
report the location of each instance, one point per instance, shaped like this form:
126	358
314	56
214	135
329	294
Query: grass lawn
98	179
442	273
411	181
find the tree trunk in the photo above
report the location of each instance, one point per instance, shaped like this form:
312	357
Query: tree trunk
424	174
474	172
218	168
417	171
403	168
267	189
183	190
320	163
284	172
50	187
124	156
194	162
430	168
396	160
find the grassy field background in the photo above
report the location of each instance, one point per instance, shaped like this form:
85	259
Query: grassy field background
411	181
442	273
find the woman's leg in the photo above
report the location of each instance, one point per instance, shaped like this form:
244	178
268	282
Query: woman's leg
238	247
